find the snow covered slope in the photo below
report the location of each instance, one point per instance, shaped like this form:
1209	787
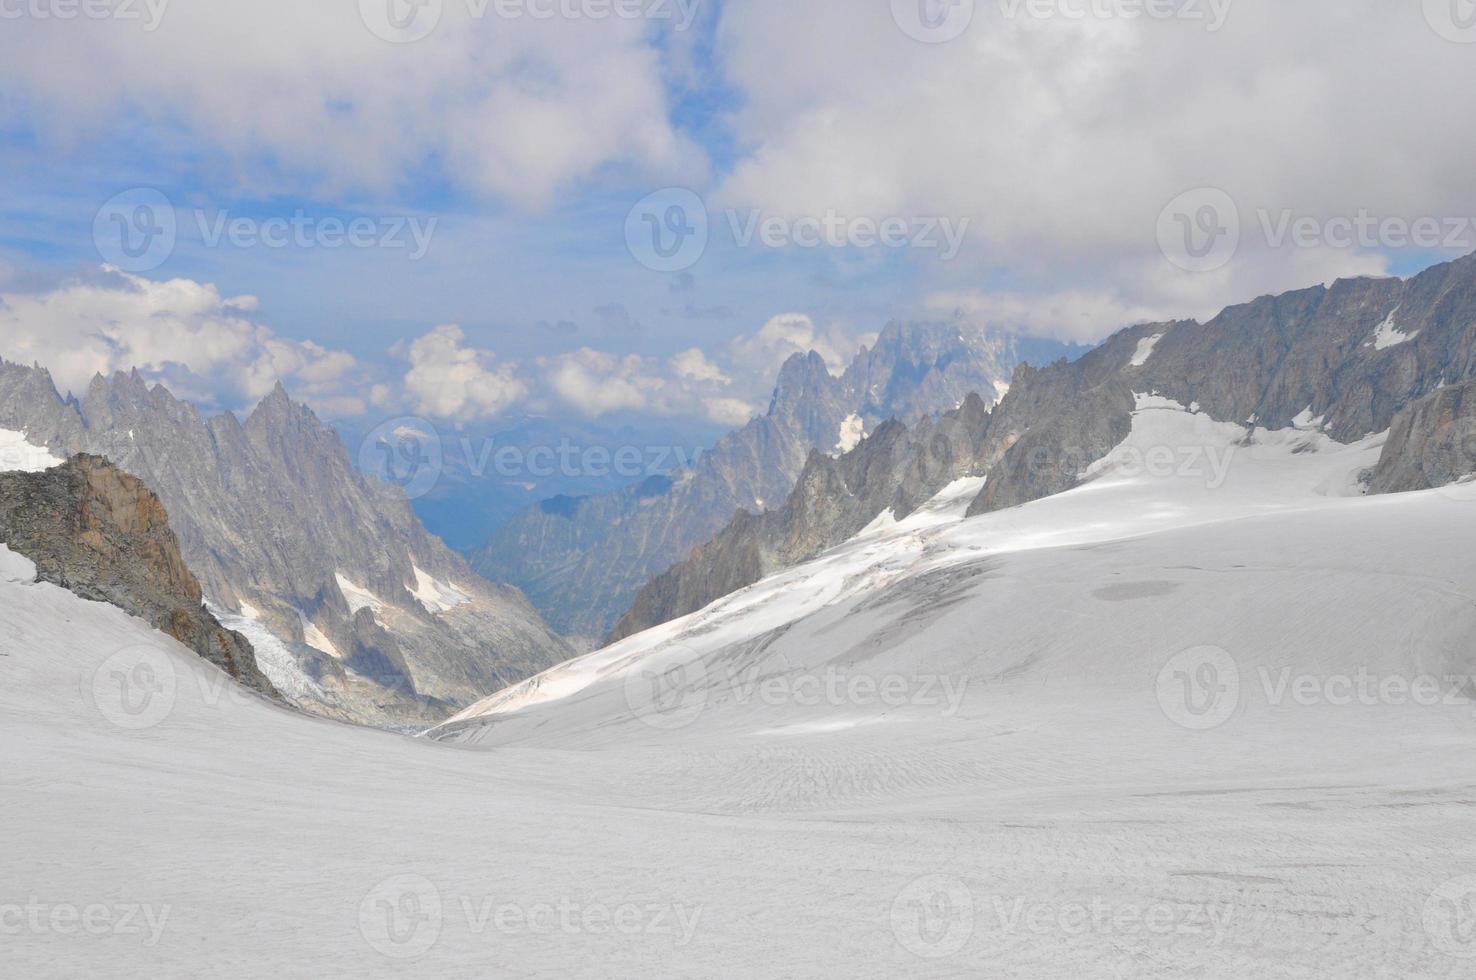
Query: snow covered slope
1203	717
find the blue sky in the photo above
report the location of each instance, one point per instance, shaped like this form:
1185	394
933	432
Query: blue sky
1056	147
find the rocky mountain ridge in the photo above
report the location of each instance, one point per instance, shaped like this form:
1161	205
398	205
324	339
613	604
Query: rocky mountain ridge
1356	358
360	613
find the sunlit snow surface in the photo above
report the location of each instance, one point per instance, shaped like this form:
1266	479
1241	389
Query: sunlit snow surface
1077	754
17	454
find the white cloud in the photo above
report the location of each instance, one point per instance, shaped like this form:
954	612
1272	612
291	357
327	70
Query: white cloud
596	383
1056	139
694	365
728	411
761	354
202	345
1072	315
515	108
450	380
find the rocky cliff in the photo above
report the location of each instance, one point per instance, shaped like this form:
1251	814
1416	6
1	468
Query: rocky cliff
1431	444
355	611
583	561
100	533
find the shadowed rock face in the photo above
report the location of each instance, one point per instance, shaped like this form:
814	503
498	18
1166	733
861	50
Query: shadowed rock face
583	562
896	469
1356	354
1432	443
94	530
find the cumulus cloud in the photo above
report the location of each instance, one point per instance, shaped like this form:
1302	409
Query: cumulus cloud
204	346
596	383
514	108
762	353
694	365
1053	135
450	380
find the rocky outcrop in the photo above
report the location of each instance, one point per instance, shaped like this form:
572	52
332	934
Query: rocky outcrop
582	562
98	532
1432	443
273	517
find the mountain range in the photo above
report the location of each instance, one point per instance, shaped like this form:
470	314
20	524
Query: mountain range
1353	358
582	560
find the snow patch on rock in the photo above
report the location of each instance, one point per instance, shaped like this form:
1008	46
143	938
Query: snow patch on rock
852	431
437	596
1388	335
1145	350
